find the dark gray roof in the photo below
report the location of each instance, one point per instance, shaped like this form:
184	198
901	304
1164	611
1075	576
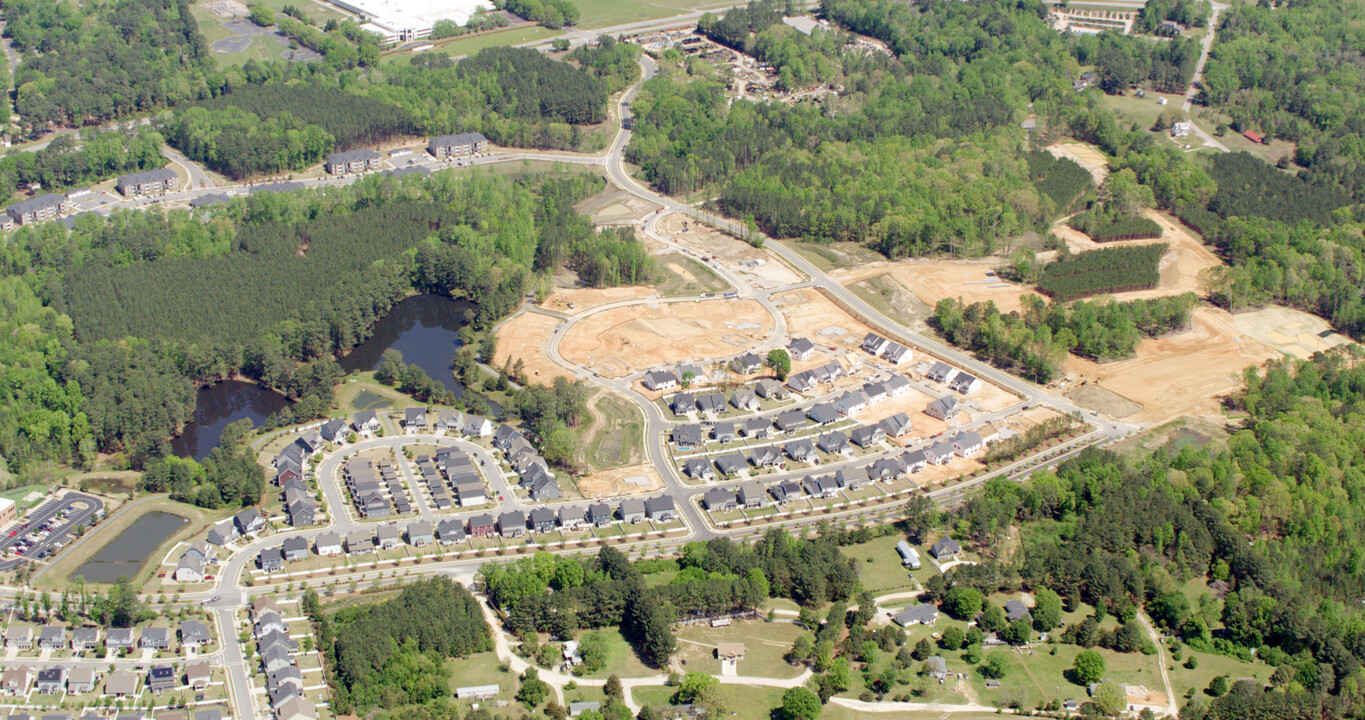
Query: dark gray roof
352	155
463	138
36	203
137	178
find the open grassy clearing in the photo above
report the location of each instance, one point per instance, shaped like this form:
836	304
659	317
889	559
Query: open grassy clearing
481	669
621	658
739	702
879	566
615	437
766	644
684	277
893	300
468	45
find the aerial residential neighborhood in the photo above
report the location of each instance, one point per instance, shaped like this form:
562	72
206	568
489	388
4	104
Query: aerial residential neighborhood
601	359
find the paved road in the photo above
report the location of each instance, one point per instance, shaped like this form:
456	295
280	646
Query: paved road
86	507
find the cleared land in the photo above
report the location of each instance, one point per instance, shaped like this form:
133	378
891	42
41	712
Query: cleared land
1086	156
1179	374
575	301
624	340
810	314
933	280
523	338
762	268
1292	332
894	300
628	480
681	276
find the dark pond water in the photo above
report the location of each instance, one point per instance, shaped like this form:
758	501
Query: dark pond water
125	555
426	329
218	405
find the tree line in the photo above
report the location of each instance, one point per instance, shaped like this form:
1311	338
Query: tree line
1111	269
553	14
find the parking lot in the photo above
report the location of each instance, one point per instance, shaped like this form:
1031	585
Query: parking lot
47	528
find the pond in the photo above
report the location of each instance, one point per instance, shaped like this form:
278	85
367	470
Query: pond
125	555
215	406
367	400
426	329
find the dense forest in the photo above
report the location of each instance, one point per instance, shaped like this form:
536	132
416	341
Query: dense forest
1132	530
552	14
270	286
1034	340
85	65
1247	186
393	653
1107	270
72	160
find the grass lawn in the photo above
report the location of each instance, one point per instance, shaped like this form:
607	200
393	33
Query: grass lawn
319	13
616	439
766	643
740	702
1207	668
57	574
1143	111
363	393
684	277
879	565
1040	677
482	669
621	658
460	46
20	495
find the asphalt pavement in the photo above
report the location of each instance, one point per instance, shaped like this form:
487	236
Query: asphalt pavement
86	508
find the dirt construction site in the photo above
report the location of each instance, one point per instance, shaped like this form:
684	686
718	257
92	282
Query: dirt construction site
573	301
762	268
1187	257
812	315
625	340
523	338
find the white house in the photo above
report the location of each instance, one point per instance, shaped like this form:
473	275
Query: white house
965	384
968	444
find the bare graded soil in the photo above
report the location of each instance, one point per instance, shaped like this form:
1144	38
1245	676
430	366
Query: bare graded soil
523	338
621	341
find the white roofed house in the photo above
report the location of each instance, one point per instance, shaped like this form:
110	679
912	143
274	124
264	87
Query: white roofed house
965	384
968	444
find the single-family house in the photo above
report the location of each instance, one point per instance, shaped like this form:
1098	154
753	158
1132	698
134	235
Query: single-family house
853	478
365	421
683	403
52	637
272	560
913	461
450	531
582	706
122	683
824	487
875	392
415	418
155	638
15	680
85	638
834	442
512	524
161	678
660	508
884	469
802	382
194	633
711	404
731	464
249	521
51	681
936	667
688	436
823	413
699	468
766	456
897	354
867	435
745	399
945	548
333	431
80	680
276	658
896	386
543	520
477	427
751	495
506	436
1016	609
801	450
224	532
719	500
968	444
800	349
747	363
898	425
925	614
941	372
120	638
359	541
723	431
758	427
770	389
633	510
19	636
420	533
939	453
943	408
388	537
791	420
659	380
851	403
482	525
302	512
965	384
198	674
874	344
329	544
573	517
599	515
294	549
296	708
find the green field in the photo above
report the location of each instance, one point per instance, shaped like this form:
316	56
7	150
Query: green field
20	495
460	46
766	644
684	277
621	658
482	669
738	702
879	566
616	439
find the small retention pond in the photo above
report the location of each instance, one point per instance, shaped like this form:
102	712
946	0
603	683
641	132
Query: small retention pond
125	555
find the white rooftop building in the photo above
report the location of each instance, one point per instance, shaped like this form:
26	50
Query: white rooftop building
403	20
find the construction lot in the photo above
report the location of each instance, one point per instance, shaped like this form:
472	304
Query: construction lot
625	340
523	338
575	301
760	267
933	280
810	314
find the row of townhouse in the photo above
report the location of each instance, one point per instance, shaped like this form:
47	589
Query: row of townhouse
121	683
533	473
204	714
244	524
